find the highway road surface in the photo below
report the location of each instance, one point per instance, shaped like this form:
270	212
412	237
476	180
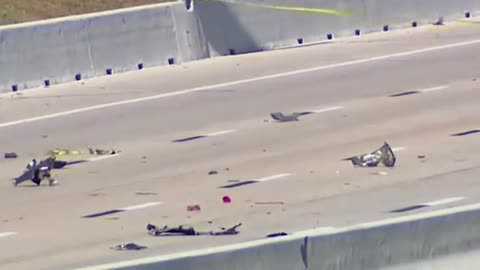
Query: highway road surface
352	85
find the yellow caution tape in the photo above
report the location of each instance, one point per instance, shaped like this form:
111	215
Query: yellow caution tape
321	11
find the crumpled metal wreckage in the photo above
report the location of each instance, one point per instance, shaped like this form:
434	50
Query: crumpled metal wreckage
383	155
189	231
37	172
128	246
280	117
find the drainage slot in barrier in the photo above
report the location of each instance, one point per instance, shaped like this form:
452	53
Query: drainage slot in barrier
78	77
300	40
14	88
46	83
171	61
140	66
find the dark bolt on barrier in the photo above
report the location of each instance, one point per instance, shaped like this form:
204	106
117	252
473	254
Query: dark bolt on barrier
171	61
385	28
109	71
468	15
329	36
47	83
14	88
140	66
231	51
78	77
357	32
414	24
300	40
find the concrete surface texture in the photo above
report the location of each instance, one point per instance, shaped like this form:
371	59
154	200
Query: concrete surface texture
80	47
302	181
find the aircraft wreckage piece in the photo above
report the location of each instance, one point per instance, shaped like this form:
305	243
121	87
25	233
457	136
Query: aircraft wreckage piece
37	172
280	117
382	155
96	151
189	231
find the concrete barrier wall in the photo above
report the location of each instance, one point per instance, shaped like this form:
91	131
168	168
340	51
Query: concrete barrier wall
89	46
59	50
369	246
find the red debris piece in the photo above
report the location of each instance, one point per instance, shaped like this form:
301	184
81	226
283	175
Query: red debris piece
192	208
226	199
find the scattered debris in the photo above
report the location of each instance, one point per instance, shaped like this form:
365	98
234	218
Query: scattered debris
192	208
102	152
421	156
226	199
64	152
268	203
37	172
280	117
382	155
146	193
277	234
212	172
129	246
189	231
440	21
11	155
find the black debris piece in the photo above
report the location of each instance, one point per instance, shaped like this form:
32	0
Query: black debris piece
421	156
405	94
212	173
277	234
11	155
280	117
129	246
382	155
440	21
269	203
189	231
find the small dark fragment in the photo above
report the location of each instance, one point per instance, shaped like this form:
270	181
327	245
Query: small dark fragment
421	156
11	155
191	208
129	246
212	173
280	117
146	193
440	21
189	231
277	234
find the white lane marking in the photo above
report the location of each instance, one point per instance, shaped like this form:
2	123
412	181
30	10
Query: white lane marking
232	83
329	109
102	157
222	132
273	177
141	206
7	234
256	243
444	201
400	148
438	88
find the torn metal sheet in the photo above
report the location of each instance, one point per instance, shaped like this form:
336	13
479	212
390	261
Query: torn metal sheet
102	152
280	117
129	246
189	231
37	172
383	155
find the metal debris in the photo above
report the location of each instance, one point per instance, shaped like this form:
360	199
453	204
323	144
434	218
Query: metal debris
189	231
277	234
11	155
102	152
440	21
129	246
191	208
37	172
382	155
280	117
